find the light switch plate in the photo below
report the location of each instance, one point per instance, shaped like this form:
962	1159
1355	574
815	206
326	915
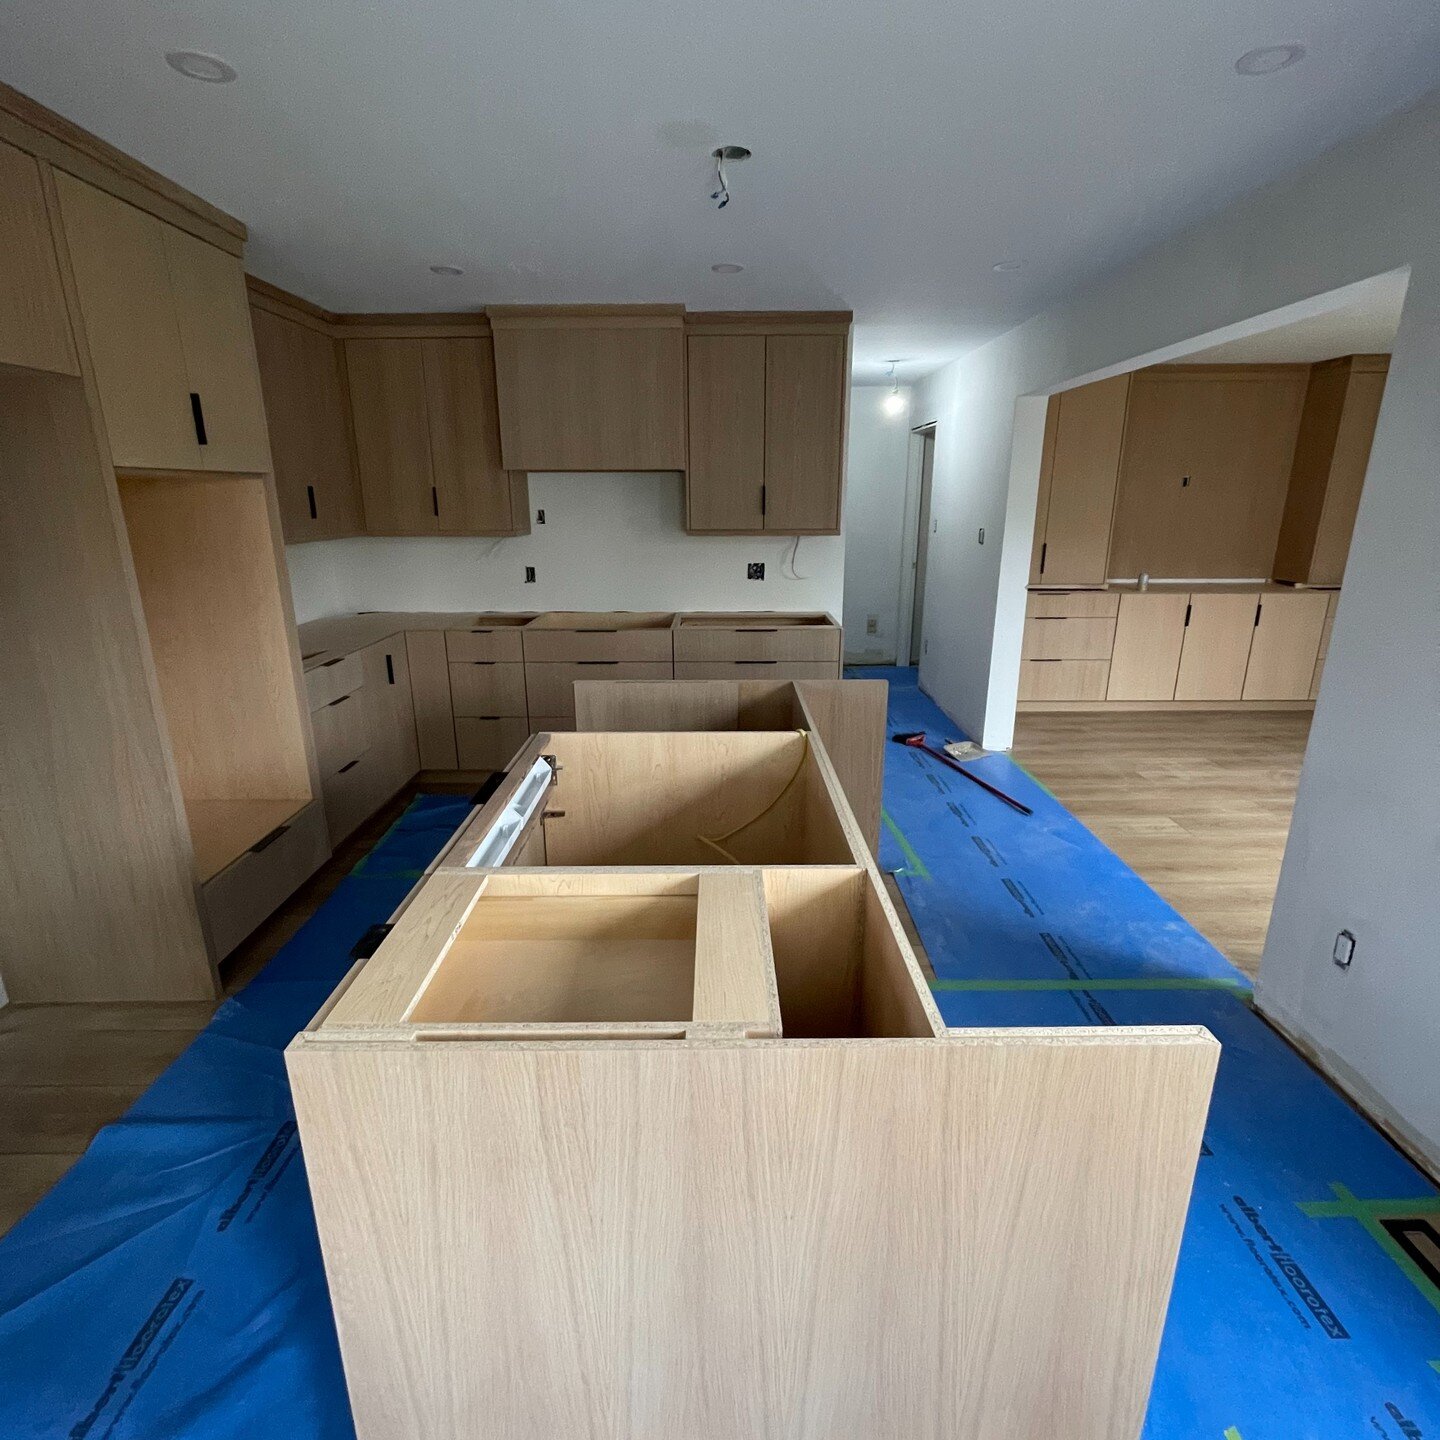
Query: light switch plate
1344	949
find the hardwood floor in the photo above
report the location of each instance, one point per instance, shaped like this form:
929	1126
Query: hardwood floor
66	1070
1198	804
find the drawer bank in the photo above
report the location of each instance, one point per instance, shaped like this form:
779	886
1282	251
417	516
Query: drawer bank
641	1123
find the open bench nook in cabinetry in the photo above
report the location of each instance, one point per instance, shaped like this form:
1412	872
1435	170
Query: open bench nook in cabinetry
661	1140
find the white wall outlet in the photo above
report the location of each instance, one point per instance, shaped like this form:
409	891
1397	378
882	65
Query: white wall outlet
872	624
1344	951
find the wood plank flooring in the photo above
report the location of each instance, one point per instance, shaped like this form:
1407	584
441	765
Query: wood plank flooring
66	1070
1198	804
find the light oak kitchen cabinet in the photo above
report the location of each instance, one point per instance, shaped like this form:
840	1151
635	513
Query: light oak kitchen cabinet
1216	649
302	377
168	328
427	438
590	387
1337	428
1084	429
34	328
1286	645
767	414
1149	635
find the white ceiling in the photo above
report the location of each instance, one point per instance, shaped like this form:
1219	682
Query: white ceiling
558	150
1364	326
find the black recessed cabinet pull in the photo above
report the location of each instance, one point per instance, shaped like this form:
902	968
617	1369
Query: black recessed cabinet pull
310	496
757	662
266	841
762	500
390	668
435	500
340	701
350	766
197	414
1259	606
1187	615
1184	482
597	662
1043	548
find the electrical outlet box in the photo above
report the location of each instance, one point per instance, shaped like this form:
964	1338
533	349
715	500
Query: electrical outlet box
755	570
529	574
1344	951
982	534
539	517
872	624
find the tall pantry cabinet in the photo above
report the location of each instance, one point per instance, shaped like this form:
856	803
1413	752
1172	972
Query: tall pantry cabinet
159	772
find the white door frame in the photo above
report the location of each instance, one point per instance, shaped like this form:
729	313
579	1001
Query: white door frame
910	550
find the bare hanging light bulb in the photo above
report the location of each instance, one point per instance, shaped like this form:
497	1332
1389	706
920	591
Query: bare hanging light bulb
732	153
894	402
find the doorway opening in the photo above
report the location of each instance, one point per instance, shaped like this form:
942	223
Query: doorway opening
917	545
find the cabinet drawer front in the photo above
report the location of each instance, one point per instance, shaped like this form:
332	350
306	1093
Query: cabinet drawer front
558	724
342	732
650	646
758	670
333	679
1063	638
354	793
487	688
252	887
551	687
1077	604
1064	679
695	643
481	644
489	744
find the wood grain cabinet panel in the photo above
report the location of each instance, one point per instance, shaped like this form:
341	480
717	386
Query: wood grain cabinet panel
1149	635
430	686
1205	470
490	744
805	395
1337	428
34	327
391	710
1216	648
726	401
1066	638
392	436
487	688
590	391
306	408
1286	645
1079	473
213	309
132	328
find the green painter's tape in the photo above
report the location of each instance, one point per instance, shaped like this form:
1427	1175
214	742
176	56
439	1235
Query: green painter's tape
914	865
1235	987
1231	1433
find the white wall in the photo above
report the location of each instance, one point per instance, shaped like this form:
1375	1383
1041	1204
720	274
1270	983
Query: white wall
1364	850
874	523
610	542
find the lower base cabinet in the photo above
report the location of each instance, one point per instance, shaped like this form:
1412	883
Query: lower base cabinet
1286	645
489	743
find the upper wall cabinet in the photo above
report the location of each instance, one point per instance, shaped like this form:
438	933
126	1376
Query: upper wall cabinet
766	427
34	328
1337	427
168	330
304	385
591	388
1079	469
427	438
1205	469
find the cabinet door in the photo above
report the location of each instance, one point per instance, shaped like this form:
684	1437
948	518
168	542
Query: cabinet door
1217	646
392	436
1038	549
430	688
471	486
132	329
1348	464
805	392
309	430
213	310
1285	646
392	714
726	400
1149	634
34	328
1089	428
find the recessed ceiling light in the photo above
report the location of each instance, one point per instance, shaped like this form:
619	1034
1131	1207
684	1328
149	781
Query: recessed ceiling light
1007	267
727	269
196	65
1267	59
446	270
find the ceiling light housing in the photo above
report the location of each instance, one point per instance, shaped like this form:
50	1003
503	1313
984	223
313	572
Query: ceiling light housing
1267	59
197	65
727	269
446	270
894	403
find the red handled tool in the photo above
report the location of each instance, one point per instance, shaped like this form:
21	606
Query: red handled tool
915	739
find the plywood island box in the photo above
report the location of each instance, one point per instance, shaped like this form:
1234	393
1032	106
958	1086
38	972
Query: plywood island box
641	1123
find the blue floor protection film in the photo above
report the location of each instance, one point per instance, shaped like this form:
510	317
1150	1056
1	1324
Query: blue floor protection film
171	1286
1306	1303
